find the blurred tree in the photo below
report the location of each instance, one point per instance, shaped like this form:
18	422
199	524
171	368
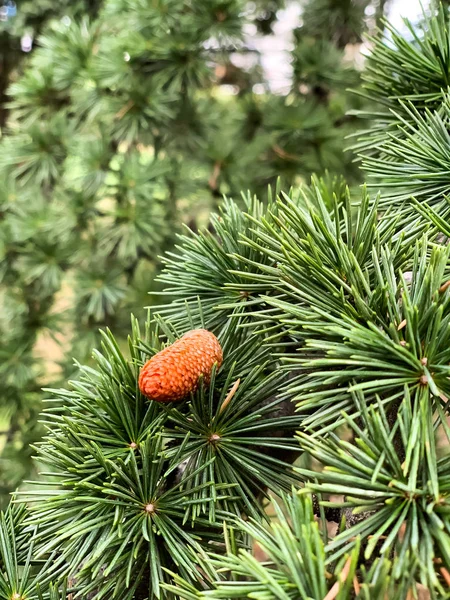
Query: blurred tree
331	316
122	125
20	23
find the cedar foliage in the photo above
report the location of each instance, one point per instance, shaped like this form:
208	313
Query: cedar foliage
333	311
20	23
121	127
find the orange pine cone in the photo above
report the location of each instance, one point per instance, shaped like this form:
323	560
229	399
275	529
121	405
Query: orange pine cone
174	372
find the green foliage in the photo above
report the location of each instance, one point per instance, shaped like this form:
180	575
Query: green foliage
391	344
145	487
296	559
20	23
405	151
297	564
332	309
397	481
205	279
20	577
115	461
401	71
128	119
238	260
415	164
342	20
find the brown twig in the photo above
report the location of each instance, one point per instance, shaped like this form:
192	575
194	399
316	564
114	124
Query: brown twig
444	286
401	325
446	575
230	395
123	111
212	182
334	591
283	154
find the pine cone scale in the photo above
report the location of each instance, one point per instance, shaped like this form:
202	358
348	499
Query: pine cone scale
174	372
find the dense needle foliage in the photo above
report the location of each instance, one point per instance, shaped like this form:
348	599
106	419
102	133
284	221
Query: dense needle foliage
127	119
333	311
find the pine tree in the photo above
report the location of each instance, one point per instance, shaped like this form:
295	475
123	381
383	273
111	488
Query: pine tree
20	23
333	315
118	130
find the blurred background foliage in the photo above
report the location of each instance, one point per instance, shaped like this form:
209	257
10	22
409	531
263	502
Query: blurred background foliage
121	120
